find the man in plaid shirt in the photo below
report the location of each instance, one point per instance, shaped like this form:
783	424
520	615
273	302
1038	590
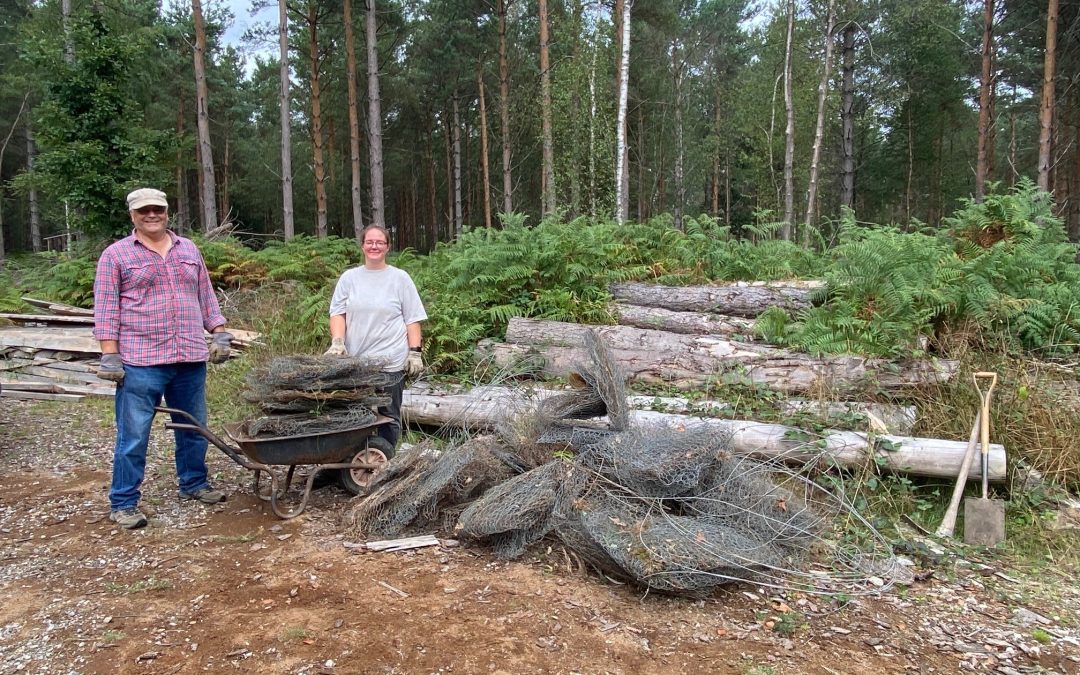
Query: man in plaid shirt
152	301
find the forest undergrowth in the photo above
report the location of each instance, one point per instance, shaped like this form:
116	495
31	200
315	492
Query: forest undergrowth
997	287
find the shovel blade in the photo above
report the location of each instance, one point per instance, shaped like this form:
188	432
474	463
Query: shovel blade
984	522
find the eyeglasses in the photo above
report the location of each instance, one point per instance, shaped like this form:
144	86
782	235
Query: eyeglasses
150	209
375	244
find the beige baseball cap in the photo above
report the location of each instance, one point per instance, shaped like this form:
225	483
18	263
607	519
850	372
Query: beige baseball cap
146	197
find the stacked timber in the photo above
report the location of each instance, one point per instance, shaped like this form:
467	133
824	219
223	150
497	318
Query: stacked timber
53	355
695	361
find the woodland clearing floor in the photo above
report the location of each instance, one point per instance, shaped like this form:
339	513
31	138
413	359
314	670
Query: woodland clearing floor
233	589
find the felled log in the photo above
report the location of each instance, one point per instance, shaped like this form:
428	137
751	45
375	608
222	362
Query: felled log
741	298
688	323
691	361
487	406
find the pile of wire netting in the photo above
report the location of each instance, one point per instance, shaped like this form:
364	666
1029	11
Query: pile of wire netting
302	394
670	508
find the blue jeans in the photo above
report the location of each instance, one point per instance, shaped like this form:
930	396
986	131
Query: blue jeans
183	386
395	387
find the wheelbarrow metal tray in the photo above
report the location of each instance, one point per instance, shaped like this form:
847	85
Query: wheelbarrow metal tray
324	447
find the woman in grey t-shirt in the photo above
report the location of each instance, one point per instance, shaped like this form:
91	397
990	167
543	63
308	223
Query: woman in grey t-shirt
376	313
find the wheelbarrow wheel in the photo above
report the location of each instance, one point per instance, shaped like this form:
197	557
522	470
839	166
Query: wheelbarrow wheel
376	451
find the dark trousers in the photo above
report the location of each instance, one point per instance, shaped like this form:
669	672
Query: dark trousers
395	388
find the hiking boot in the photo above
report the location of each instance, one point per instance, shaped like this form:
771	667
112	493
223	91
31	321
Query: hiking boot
129	519
205	495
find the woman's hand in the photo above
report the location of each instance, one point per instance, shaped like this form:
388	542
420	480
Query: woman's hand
337	348
415	365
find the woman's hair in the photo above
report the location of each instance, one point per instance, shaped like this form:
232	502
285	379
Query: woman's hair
377	228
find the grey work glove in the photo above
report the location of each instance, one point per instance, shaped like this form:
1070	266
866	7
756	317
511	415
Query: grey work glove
221	346
415	365
111	368
337	348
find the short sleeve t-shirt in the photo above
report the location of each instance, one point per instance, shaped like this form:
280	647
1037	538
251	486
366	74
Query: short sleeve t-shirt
377	305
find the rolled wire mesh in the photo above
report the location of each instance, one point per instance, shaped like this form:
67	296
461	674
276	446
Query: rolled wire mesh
419	485
306	424
292	385
523	510
667	507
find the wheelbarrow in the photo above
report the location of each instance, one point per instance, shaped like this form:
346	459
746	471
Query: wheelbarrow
355	453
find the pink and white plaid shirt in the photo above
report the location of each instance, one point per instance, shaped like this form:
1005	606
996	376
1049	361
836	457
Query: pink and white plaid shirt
155	308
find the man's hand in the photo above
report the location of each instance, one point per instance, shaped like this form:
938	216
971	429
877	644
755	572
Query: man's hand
221	346
111	368
337	348
415	365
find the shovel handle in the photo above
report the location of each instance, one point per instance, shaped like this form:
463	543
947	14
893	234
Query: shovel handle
984	397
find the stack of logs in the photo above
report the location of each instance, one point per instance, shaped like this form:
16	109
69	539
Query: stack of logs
697	337
53	355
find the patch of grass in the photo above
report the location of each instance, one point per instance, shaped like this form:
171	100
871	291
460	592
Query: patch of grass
788	624
112	636
294	633
151	584
1041	636
756	669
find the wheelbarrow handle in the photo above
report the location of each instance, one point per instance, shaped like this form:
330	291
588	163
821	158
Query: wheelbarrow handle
198	428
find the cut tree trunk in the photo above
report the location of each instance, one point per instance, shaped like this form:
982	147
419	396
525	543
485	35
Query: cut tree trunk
688	323
742	298
488	406
689	361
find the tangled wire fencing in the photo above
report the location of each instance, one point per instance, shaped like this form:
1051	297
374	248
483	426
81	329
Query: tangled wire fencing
303	394
670	508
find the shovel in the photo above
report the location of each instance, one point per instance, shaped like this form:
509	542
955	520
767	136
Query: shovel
984	518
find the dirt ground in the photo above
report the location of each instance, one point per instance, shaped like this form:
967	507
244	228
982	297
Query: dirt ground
232	588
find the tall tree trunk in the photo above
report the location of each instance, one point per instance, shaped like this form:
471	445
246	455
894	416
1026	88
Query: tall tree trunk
354	122
982	161
680	187
223	195
592	187
206	155
316	122
717	120
504	109
819	129
909	185
285	121
375	154
432	229
448	136
32	195
642	202
622	171
69	42
1013	173
3	149
847	119
485	172
183	215
548	179
727	189
457	168
933	210
1046	104
789	130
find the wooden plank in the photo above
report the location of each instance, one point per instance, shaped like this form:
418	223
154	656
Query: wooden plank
58	307
402	544
56	338
62	375
49	319
39	396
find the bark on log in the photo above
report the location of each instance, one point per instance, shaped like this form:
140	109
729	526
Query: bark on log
688	361
484	407
687	323
741	298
